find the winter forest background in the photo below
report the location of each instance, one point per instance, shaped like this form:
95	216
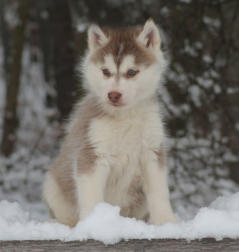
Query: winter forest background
41	43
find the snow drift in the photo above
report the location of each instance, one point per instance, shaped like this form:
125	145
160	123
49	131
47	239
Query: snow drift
219	220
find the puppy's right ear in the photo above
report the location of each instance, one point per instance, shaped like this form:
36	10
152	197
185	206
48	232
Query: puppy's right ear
96	37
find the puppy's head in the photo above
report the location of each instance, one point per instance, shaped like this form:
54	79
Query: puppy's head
123	66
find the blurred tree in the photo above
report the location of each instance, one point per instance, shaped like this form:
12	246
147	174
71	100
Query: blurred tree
13	81
42	10
5	37
64	56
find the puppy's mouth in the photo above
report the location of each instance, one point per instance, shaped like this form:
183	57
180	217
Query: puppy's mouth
116	104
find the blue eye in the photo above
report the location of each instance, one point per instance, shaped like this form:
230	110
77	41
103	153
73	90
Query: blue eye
131	73
106	72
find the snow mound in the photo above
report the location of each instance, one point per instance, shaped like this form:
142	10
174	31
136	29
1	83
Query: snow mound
219	220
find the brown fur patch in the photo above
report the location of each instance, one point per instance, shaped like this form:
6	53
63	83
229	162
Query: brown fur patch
122	42
138	198
146	217
76	145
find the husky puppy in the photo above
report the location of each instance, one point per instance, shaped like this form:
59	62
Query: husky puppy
114	148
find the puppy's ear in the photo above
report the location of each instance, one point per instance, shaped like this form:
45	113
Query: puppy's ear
96	37
150	37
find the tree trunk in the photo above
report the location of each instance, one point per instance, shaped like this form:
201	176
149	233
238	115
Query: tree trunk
13	82
5	37
64	56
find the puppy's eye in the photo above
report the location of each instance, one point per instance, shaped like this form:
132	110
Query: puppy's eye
131	73
106	72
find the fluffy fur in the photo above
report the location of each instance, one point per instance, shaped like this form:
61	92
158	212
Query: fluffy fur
114	149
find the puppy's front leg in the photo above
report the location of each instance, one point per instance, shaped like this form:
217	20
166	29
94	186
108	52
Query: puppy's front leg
90	187
156	188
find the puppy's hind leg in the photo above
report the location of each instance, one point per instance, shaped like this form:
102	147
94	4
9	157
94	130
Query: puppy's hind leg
60	209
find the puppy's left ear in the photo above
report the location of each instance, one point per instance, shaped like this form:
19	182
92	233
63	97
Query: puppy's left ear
150	36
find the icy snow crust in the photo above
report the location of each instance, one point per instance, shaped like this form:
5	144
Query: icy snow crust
219	220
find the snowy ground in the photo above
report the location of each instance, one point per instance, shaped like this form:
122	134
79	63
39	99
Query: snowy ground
219	220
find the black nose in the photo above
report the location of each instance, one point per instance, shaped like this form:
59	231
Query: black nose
114	96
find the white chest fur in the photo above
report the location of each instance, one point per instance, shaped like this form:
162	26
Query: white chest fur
127	135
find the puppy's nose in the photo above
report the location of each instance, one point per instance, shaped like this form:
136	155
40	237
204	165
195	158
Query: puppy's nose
114	96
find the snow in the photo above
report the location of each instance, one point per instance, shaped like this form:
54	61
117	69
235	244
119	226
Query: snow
219	220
